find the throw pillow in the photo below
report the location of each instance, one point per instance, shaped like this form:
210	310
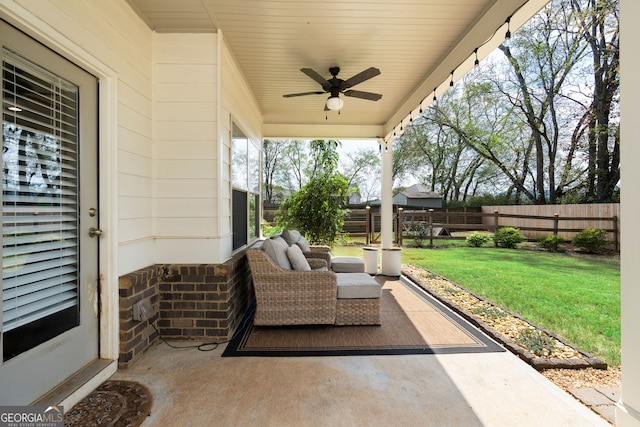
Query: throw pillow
297	258
277	251
291	236
304	245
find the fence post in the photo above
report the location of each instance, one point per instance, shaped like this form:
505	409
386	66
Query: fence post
555	224
400	227
430	228
495	225
367	217
616	240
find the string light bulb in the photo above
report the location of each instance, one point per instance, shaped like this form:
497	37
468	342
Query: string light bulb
476	63
508	35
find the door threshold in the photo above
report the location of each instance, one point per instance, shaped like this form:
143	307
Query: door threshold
79	385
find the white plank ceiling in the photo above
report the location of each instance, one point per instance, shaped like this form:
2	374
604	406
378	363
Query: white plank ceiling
415	44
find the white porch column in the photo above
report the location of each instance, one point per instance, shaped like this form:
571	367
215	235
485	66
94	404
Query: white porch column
390	264
386	208
628	413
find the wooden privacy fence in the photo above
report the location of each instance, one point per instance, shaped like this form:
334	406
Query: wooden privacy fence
442	224
533	221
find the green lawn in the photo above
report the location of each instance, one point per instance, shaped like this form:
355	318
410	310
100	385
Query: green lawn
574	296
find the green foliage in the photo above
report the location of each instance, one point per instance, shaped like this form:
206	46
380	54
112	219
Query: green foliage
268	230
419	232
536	341
477	239
551	242
316	210
490	312
508	237
592	240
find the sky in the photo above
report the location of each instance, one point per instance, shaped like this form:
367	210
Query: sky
350	145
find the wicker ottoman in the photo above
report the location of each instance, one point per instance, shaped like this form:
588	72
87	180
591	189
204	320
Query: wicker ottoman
358	300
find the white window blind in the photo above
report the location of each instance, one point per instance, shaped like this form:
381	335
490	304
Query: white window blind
39	192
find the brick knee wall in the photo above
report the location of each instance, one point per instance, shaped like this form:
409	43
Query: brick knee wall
136	337
202	302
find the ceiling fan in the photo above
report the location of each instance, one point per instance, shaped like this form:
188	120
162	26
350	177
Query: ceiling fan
335	86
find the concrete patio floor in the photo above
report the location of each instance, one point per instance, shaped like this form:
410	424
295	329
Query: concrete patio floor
194	388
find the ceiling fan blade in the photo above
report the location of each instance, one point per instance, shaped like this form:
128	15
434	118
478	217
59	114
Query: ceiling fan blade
291	95
364	95
317	77
360	77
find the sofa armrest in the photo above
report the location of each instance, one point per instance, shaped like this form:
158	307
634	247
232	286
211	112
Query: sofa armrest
317	263
325	256
320	248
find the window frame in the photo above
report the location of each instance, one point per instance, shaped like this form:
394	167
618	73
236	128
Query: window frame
245	174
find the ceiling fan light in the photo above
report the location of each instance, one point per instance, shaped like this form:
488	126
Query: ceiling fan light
335	103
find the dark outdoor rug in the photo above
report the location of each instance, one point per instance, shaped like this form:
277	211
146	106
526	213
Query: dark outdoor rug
114	403
413	322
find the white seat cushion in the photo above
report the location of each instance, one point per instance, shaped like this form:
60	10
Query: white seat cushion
347	264
357	285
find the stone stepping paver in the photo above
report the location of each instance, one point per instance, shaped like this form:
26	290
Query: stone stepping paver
602	400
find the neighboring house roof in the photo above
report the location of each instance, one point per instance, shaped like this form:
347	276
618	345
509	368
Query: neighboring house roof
418	191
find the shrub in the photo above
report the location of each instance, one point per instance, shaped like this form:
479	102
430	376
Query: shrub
316	209
419	232
508	237
478	239
268	230
536	341
591	240
550	242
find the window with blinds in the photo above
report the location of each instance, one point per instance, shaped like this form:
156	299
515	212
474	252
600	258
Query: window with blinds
39	204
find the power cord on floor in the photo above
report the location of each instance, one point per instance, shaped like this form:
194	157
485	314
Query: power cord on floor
207	346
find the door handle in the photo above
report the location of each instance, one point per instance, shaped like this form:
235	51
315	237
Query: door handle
95	232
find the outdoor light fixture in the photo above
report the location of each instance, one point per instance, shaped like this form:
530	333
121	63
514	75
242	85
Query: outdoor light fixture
507	36
335	103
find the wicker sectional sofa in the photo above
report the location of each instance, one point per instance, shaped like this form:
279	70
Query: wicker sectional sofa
286	296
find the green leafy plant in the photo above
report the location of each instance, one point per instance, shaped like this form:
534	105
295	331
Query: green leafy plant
592	240
491	312
536	341
551	242
508	237
451	290
316	210
268	230
477	239
419	232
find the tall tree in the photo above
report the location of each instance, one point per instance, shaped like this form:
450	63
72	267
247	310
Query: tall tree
362	171
542	57
324	157
599	24
273	160
297	156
